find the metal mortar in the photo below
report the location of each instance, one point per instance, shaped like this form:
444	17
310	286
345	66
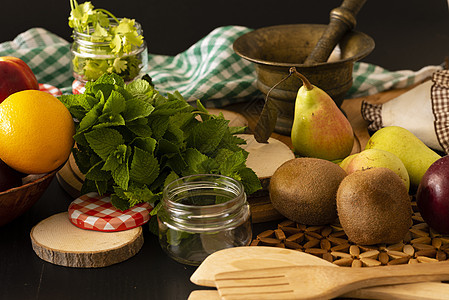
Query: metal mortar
275	49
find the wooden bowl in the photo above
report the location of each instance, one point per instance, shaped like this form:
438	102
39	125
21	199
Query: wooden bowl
16	201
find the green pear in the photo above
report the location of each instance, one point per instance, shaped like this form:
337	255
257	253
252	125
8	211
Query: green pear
415	155
320	129
376	158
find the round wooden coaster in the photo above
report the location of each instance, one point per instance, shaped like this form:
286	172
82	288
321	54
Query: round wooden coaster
58	241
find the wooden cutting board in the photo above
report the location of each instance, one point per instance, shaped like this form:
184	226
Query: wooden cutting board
71	179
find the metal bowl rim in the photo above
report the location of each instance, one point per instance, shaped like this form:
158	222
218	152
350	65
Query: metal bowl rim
247	35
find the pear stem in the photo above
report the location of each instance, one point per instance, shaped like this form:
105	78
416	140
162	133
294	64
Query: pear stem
307	85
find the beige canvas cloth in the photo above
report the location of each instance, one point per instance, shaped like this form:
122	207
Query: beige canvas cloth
424	110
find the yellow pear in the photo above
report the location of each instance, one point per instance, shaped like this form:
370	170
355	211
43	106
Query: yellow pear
320	129
376	158
415	155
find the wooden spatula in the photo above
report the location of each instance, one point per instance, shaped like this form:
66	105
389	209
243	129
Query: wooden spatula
317	282
261	257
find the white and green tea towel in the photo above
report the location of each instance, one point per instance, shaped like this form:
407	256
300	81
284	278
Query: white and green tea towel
209	70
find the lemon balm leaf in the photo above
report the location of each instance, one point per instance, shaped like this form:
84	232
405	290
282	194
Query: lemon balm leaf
115	103
96	173
147	144
144	167
194	160
233	163
120	203
136	108
115	159
104	141
206	136
121	176
109	120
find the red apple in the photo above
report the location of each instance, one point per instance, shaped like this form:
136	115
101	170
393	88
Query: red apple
9	177
432	196
15	76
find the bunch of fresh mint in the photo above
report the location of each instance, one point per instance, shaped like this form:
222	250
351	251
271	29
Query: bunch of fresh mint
131	141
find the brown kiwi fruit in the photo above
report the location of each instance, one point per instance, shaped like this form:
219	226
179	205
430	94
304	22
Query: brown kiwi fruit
304	190
374	207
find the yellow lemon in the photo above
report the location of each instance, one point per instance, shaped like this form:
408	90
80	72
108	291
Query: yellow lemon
36	132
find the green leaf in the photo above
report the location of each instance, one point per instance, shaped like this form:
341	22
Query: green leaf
104	141
136	108
96	173
121	173
158	125
194	160
144	167
140	89
170	178
137	195
115	104
147	144
233	163
175	162
109	119
142	130
120	203
250	181
169	108
99	32
116	158
91	117
119	65
207	135
83	158
167	147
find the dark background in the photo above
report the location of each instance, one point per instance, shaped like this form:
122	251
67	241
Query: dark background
409	34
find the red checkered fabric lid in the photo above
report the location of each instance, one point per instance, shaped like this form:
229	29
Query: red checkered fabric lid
78	87
94	212
50	89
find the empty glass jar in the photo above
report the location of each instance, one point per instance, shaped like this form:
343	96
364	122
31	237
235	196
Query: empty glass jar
201	214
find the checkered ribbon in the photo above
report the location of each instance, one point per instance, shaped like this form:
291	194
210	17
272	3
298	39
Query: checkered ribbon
440	105
209	70
95	212
373	114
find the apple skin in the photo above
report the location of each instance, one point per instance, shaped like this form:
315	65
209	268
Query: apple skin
432	196
9	178
15	76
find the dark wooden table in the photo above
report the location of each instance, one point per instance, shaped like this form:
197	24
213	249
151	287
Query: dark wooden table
23	275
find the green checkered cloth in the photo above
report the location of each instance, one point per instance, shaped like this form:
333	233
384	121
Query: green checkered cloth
209	70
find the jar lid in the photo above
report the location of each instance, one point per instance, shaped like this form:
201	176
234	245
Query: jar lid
45	87
94	212
78	87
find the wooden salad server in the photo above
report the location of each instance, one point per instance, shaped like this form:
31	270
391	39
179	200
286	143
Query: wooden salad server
320	282
251	257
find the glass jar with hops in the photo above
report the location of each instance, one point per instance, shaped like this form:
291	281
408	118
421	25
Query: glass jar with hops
104	44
